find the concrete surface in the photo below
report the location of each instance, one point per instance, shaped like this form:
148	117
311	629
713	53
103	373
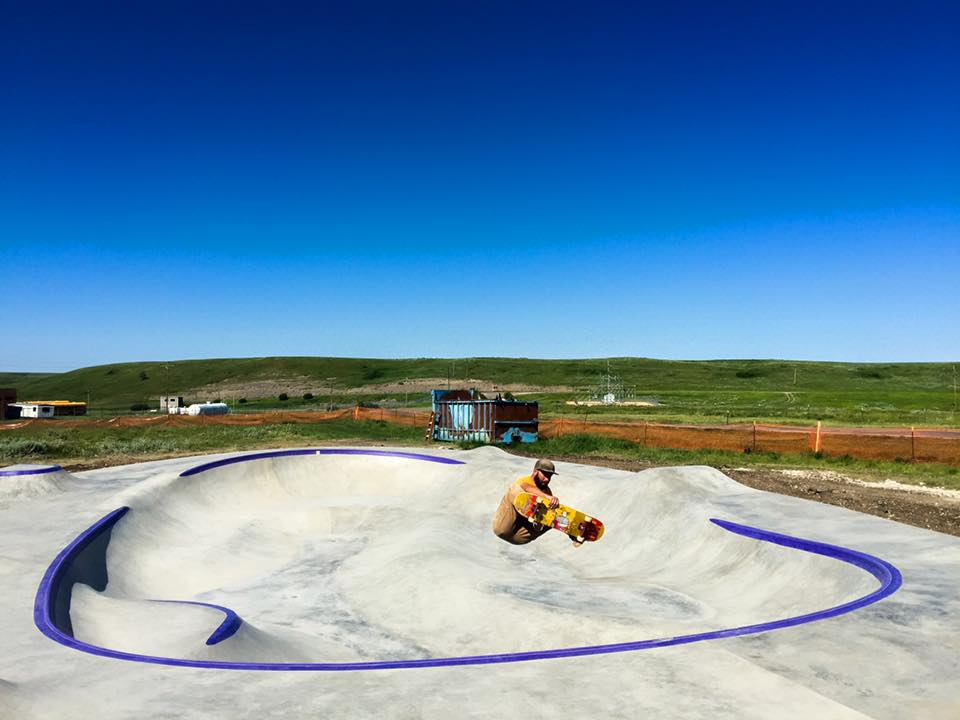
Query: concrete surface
353	559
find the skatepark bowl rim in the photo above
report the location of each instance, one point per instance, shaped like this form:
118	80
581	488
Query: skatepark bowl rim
51	592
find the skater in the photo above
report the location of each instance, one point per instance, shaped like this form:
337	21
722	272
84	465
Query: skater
510	525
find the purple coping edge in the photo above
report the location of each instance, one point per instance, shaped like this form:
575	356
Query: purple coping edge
315	451
889	577
35	471
43	607
231	623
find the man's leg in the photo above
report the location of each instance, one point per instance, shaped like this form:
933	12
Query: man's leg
509	526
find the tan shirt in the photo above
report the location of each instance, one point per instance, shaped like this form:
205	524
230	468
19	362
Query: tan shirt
517	487
507	518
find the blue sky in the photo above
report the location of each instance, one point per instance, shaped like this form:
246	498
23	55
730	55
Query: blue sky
407	179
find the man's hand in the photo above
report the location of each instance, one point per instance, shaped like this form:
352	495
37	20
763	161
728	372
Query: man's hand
553	502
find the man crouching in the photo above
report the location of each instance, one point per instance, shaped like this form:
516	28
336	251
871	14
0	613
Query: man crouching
510	525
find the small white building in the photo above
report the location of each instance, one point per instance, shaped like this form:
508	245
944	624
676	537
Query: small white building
29	410
171	403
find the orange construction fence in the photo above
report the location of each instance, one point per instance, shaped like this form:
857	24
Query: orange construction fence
865	443
908	444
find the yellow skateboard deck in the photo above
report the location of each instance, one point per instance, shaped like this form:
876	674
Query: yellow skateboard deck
574	523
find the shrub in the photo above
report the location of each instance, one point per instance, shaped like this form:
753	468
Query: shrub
14	447
308	396
372	373
284	397
143	375
242	401
139	407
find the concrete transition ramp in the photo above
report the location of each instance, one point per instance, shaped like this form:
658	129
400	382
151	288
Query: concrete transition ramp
26	481
353	560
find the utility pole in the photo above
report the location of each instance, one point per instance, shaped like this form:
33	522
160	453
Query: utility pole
166	386
954	388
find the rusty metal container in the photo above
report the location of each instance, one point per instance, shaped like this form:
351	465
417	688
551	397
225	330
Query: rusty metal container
463	415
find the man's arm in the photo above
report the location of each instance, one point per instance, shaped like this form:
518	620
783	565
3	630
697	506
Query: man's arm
534	490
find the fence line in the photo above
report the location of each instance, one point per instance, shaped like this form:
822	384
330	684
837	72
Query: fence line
907	444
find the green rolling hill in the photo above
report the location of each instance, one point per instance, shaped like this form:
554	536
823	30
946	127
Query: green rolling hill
898	393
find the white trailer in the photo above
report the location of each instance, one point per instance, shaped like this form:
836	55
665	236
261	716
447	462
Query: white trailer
208	409
28	410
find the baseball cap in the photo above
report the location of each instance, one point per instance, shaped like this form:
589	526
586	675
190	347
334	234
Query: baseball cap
545	466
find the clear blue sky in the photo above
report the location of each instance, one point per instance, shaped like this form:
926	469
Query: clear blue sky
551	179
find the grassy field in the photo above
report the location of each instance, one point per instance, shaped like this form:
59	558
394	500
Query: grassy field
902	394
87	446
84	447
837	407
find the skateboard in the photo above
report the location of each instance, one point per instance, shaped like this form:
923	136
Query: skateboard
579	526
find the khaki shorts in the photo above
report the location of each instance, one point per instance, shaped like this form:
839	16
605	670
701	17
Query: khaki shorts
513	527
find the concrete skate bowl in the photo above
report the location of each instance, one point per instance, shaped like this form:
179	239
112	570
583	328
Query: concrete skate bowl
339	559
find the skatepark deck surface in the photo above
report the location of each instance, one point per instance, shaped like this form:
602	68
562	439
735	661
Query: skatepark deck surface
368	583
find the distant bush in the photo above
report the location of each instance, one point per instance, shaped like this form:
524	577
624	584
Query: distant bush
869	374
111	371
143	375
750	373
139	407
15	447
242	401
308	396
508	396
284	397
372	373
